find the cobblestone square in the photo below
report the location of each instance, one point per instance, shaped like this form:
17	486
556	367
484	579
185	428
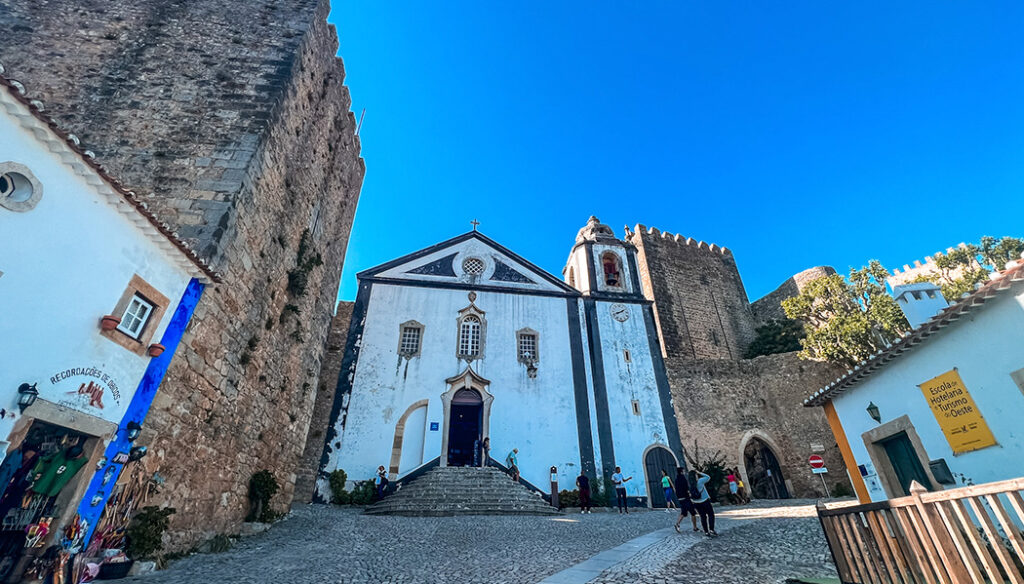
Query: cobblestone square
315	543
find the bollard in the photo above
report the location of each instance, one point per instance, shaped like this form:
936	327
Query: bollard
554	488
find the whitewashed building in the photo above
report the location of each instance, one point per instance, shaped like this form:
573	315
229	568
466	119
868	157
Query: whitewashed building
466	340
943	405
95	294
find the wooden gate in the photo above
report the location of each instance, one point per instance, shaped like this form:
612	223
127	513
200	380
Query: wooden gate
959	536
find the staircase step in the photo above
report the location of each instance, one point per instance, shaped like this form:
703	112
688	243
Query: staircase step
462	491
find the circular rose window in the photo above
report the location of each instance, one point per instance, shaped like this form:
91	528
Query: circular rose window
473	266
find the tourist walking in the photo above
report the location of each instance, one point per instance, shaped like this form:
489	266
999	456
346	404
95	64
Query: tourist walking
513	464
702	501
740	490
381	481
666	485
734	487
583	484
685	502
620	489
487	452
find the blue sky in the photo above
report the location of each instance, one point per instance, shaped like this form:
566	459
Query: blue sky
796	134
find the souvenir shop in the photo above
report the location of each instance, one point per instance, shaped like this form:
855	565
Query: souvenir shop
42	480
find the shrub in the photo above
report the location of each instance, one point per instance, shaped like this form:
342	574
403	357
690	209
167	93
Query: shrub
146	531
713	466
363	493
339	496
569	498
776	336
262	486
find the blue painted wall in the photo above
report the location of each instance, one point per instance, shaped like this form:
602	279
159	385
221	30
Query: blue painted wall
91	506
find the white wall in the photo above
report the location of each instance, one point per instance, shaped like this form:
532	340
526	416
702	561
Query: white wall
65	264
985	346
537	416
631	433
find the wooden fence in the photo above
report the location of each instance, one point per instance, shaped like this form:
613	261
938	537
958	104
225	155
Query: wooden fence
959	536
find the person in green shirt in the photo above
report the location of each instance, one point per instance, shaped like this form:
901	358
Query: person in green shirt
666	484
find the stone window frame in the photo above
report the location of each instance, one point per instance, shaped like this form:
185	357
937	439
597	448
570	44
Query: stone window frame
410	324
465	313
620	266
138	287
536	345
14	168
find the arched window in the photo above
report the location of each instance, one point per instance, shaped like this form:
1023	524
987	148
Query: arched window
469	337
612	269
572	277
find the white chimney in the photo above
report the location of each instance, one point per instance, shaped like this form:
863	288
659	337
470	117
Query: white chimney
919	302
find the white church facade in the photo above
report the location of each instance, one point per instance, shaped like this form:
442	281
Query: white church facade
466	340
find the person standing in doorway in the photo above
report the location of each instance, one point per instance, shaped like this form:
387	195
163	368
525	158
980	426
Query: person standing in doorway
685	502
620	489
702	501
666	485
583	484
512	460
487	452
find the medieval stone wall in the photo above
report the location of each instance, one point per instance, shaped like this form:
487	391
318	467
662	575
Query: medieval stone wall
769	307
321	418
235	116
720	404
700	303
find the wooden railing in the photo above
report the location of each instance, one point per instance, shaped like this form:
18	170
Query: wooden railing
959	536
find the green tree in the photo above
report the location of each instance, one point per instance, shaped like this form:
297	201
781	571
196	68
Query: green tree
847	319
776	336
962	269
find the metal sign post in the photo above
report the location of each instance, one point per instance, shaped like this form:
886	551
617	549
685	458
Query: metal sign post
818	467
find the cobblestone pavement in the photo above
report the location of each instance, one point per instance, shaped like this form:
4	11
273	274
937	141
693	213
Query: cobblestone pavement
756	545
321	544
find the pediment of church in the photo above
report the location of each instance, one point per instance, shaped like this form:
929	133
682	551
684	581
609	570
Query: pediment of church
471	259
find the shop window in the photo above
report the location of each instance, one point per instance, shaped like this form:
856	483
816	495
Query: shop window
19	188
612	269
528	342
410	341
140	309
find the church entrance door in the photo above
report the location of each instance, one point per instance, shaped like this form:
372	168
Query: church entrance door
658	459
464	428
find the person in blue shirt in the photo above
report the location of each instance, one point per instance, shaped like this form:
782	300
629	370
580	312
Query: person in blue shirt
702	501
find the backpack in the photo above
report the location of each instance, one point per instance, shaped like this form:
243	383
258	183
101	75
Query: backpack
694	491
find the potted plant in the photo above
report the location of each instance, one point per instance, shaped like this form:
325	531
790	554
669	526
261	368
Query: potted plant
144	537
156	349
109	322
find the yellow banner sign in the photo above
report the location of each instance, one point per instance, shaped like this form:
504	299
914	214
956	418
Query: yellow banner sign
957	413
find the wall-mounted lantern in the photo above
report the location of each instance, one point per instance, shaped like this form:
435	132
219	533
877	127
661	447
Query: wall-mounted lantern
874	413
27	395
132	431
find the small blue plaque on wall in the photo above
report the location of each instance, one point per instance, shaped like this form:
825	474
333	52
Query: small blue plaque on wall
433	426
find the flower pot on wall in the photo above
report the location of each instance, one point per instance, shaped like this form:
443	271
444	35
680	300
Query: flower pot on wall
156	349
109	322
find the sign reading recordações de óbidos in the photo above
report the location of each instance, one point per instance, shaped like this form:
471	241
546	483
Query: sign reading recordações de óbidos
956	412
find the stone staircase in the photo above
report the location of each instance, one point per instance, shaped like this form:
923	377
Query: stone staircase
462	491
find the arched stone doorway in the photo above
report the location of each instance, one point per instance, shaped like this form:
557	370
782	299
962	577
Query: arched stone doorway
407	451
763	472
656	459
467	413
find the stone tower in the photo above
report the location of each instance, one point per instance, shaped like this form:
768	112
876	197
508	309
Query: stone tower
699	299
232	119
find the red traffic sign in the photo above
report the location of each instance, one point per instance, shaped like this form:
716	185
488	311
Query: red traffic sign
816	461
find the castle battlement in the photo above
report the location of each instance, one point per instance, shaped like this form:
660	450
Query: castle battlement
919	269
641	229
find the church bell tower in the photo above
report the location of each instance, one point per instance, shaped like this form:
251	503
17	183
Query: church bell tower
601	265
